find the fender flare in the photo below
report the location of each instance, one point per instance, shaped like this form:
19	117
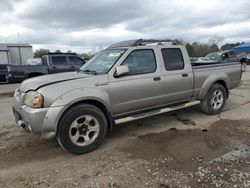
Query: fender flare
213	78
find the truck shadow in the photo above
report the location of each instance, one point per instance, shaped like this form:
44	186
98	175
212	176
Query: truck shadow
164	121
18	147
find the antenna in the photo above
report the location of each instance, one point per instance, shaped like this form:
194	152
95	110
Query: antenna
18	38
71	42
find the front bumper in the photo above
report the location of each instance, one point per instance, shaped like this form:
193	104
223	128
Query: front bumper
41	121
30	119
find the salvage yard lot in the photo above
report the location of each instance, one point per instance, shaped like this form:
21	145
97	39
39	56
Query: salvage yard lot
183	148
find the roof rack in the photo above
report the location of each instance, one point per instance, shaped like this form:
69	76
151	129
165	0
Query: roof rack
141	42
60	53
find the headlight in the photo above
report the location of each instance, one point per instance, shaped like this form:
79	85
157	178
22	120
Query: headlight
33	99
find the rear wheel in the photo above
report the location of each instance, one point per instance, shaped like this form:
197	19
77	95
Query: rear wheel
215	99
82	129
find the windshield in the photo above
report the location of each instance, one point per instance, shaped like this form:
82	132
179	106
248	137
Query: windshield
212	56
102	62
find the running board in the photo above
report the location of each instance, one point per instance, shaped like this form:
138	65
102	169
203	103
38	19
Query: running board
155	112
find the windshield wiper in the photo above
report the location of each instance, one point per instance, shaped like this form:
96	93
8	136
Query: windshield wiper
90	71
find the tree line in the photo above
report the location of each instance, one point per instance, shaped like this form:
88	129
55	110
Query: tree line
195	49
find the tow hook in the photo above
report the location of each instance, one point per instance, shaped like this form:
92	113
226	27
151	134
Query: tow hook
21	124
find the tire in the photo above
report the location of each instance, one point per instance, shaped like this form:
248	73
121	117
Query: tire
215	100
82	129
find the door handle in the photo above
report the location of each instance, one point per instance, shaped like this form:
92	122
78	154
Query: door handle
185	75
157	78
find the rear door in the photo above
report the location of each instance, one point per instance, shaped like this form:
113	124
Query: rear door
59	63
177	76
75	62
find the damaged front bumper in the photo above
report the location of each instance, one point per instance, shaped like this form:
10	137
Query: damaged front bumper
41	121
30	119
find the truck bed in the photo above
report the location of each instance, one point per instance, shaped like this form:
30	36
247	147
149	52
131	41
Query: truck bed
204	73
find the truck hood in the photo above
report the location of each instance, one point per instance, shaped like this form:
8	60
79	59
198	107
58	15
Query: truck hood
40	81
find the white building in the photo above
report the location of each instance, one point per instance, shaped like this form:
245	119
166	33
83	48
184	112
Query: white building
15	53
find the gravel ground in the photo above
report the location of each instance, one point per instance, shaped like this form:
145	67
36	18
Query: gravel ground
182	149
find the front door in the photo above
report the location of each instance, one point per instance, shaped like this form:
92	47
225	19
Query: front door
140	88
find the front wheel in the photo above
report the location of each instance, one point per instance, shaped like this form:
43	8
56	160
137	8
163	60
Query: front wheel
215	100
82	129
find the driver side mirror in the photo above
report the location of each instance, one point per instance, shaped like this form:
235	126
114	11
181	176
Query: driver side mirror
121	71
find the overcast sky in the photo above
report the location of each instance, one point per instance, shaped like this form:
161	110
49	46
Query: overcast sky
82	25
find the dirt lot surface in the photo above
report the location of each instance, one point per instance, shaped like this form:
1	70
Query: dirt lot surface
181	149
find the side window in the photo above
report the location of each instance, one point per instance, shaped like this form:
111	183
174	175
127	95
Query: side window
140	62
172	58
76	61
231	53
59	60
44	60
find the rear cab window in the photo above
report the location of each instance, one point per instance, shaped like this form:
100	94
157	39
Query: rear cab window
59	60
173	59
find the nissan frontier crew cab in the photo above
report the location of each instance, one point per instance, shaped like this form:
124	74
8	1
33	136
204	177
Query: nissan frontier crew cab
127	81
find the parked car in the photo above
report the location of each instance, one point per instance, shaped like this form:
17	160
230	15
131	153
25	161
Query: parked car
225	56
244	58
127	81
51	63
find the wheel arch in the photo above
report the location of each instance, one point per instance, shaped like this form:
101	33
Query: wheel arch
243	60
219	78
95	103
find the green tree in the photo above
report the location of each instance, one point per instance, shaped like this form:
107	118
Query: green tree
190	50
40	52
213	48
58	51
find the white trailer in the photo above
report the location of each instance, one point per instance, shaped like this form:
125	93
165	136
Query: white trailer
15	53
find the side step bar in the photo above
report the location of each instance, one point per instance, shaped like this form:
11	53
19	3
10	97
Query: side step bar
156	112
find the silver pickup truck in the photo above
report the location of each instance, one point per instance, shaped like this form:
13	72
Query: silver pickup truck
127	81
